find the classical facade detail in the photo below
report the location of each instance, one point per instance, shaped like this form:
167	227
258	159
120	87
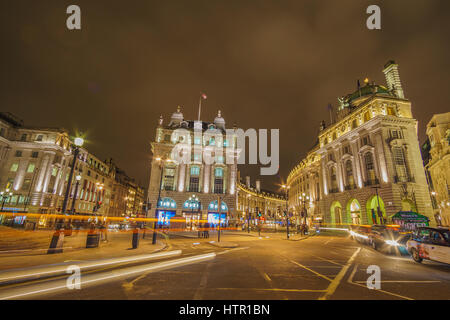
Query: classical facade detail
368	161
437	164
202	171
35	164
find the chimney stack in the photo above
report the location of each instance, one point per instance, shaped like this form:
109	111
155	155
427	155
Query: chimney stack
258	185
247	181
393	78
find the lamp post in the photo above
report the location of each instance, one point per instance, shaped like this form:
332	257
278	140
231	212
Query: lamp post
155	225
303	198
248	213
78	142
77	178
286	189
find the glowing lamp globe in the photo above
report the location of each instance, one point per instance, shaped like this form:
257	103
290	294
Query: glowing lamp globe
78	142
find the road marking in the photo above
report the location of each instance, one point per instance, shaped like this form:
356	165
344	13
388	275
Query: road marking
403	281
201	288
337	280
266	276
273	289
310	270
350	280
61	284
327	260
328	241
229	250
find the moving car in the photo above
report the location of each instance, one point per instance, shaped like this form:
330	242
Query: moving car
386	237
360	233
430	243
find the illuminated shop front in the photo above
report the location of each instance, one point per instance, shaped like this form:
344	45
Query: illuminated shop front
166	210
213	213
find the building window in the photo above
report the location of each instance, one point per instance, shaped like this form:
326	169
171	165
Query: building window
390	111
31	167
195	171
35	154
169	178
39	137
194	179
333	179
370	169
14	167
23	137
354	124
218	180
349	174
367	116
193	184
26	184
18	153
197	140
400	164
365	140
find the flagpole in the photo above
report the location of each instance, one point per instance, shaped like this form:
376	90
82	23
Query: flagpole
199	107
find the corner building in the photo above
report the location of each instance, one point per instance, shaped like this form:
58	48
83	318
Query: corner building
191	189
366	166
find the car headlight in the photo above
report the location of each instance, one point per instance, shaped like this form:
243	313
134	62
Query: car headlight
392	242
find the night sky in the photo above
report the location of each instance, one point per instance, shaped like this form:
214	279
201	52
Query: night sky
265	64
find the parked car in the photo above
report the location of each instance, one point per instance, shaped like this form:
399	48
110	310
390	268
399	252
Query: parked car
360	233
386	237
431	244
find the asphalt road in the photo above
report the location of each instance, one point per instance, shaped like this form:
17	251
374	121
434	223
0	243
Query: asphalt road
319	267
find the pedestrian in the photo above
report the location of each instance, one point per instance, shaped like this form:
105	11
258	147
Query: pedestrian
206	228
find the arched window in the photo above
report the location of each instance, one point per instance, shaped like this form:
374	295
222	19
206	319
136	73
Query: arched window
370	169
349	174
213	206
400	164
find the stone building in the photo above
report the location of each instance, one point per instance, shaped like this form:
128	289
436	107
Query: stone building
366	165
34	168
190	187
438	165
256	204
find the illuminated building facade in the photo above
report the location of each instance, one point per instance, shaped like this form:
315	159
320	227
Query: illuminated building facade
438	165
192	188
34	167
366	165
254	203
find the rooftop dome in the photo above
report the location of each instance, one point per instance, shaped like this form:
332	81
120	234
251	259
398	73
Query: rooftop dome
176	117
368	89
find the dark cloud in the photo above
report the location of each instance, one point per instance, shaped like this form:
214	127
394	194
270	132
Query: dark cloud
266	64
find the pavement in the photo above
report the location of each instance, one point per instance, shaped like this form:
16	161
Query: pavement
118	245
320	267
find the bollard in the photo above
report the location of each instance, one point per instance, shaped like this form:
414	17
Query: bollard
57	243
135	239
93	238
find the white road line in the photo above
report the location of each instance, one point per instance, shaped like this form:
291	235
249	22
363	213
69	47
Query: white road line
21	292
337	280
403	281
201	288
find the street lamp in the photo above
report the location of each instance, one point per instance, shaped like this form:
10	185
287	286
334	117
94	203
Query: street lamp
78	142
286	190
77	178
304	198
248	213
